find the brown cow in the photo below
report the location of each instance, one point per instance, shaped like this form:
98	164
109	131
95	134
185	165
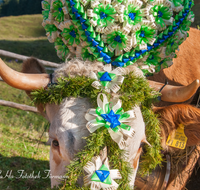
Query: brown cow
186	67
172	116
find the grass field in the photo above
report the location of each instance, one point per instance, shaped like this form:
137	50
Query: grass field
25	35
20	131
20	144
23	154
26	26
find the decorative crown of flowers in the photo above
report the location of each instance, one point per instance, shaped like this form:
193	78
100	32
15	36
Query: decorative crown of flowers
144	33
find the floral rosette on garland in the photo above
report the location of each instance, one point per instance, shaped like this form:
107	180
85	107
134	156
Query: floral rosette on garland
100	175
108	79
111	116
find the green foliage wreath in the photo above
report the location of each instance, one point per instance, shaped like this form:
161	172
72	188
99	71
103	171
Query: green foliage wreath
134	91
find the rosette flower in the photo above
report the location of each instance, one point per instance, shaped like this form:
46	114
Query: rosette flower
117	40
59	10
104	15
153	59
71	34
133	14
167	62
108	79
61	48
172	45
51	32
144	36
111	116
86	54
177	5
161	13
46	6
50	28
100	176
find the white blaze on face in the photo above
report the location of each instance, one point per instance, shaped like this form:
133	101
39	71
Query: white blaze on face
68	126
134	143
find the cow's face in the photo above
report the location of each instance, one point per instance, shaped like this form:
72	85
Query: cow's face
68	124
67	129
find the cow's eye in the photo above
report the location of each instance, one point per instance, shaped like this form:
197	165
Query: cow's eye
55	143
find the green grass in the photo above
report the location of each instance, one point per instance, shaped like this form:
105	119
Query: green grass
37	47
26	26
15	117
20	132
22	149
25	35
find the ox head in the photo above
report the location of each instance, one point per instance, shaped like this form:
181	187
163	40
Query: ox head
68	121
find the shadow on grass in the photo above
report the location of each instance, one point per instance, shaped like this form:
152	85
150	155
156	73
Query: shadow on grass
39	48
196	10
19	173
19	118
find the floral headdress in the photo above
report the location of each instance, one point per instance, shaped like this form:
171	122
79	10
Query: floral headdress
145	33
119	33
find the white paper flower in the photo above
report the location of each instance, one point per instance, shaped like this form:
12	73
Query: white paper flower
108	79
100	176
111	116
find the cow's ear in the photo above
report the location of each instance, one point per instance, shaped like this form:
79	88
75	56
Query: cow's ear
192	131
32	66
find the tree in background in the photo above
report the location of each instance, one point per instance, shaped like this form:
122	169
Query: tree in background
20	7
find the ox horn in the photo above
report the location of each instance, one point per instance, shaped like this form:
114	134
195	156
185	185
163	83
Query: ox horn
175	93
23	81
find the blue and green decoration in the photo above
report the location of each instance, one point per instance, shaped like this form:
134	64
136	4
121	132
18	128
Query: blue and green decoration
61	49
71	34
123	26
99	174
112	117
104	15
105	77
133	15
58	11
117	40
108	79
102	175
161	13
144	35
46	6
